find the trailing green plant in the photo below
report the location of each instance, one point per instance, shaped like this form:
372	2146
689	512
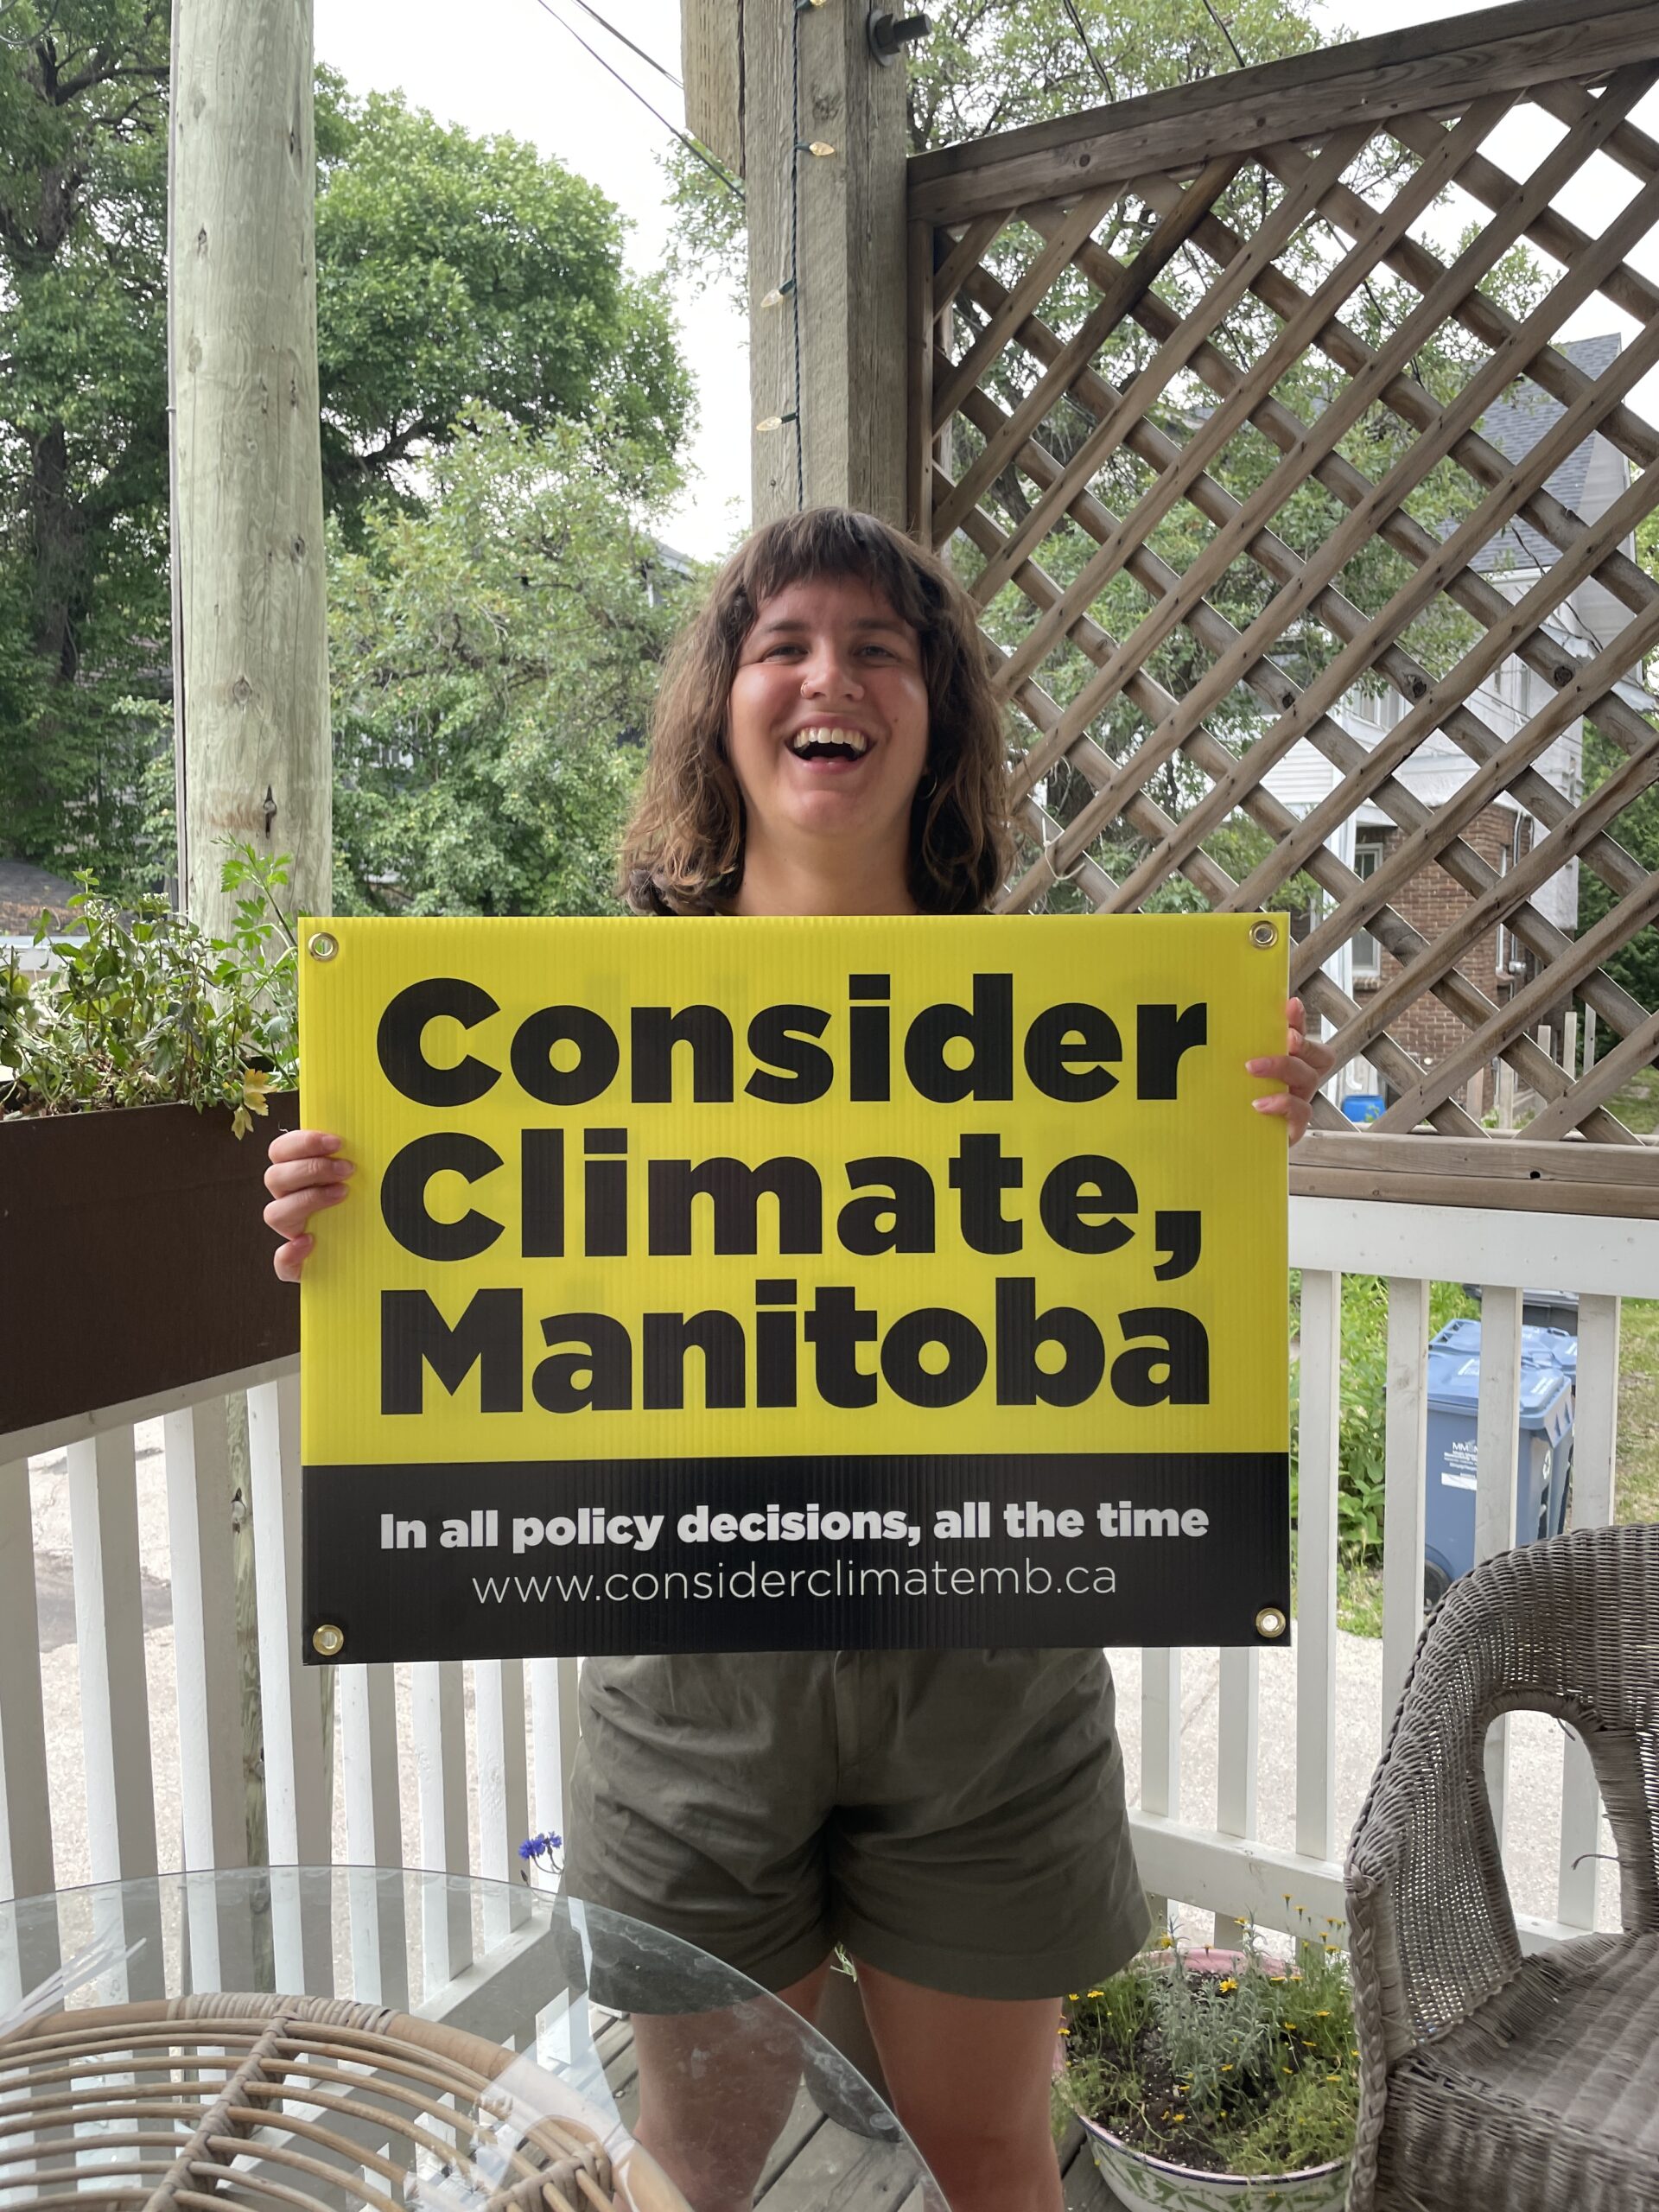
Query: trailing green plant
143	1007
1233	2064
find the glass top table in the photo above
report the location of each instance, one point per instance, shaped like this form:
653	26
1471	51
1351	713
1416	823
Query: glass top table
285	2038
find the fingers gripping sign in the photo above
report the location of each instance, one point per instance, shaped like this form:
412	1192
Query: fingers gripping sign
1301	1067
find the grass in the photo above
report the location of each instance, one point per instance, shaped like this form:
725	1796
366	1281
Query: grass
1637	1104
1636	1486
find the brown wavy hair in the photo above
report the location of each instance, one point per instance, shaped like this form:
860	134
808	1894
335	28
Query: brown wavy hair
683	850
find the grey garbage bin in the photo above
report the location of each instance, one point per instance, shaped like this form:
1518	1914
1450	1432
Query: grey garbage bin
1542	1309
1546	1414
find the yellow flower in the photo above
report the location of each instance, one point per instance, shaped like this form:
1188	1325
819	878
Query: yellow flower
1178	2117
1226	2070
1072	1999
1322	2016
1096	1993
1228	1985
1066	2028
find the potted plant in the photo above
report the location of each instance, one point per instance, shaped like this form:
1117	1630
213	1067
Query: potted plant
130	1241
1212	2079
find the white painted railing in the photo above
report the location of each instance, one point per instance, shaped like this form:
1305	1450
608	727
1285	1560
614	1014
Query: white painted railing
134	1756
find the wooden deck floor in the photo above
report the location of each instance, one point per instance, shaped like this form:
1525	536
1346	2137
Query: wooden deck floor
817	2166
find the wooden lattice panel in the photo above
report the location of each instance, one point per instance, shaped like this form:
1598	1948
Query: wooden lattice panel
1298	478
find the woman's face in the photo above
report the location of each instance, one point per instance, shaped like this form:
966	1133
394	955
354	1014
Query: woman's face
827	725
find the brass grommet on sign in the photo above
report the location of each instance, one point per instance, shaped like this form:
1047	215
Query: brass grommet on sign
1264	935
321	946
327	1640
1270	1622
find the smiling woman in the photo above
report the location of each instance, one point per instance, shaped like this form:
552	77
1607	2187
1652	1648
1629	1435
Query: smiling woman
824	741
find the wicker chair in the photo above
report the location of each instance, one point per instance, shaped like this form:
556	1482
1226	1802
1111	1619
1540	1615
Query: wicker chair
1490	2082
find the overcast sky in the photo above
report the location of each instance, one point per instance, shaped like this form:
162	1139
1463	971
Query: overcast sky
508	66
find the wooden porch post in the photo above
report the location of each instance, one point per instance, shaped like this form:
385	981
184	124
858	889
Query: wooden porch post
250	634
250	662
766	81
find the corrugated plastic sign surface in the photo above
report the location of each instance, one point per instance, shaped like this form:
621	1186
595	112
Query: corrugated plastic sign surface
819	1283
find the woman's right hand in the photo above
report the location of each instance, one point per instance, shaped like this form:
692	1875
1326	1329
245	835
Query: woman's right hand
306	1174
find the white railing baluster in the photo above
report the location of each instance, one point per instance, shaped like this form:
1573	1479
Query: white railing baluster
503	1784
1238	1704
213	1790
290	1694
1160	1743
1317	1461
366	1709
502	1781
26	1868
366	1714
1595	1439
1405	1452
297	1792
438	1710
110	1637
1496	1472
554	1726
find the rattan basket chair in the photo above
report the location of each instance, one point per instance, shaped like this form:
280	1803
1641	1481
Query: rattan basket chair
1490	2082
225	2102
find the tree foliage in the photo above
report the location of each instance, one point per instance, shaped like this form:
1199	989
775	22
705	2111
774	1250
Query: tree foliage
495	657
451	268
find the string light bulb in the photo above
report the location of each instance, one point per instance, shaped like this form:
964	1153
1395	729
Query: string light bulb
779	294
775	422
821	147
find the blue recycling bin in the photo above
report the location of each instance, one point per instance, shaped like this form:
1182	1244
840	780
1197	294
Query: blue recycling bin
1363	1106
1548	1367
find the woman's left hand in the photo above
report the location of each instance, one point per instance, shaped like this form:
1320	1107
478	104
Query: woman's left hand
1302	1067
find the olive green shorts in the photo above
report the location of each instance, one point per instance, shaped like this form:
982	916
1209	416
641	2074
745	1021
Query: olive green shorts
955	1818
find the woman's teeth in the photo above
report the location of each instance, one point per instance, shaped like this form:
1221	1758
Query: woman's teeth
829	744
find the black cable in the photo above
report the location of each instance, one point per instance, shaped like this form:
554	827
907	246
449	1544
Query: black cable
690	144
1070	7
622	39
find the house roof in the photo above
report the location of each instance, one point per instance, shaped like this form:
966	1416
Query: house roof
1515	425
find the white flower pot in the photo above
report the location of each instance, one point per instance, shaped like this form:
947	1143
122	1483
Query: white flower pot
1145	2183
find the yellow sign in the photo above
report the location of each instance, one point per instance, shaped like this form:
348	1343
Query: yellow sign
637	1199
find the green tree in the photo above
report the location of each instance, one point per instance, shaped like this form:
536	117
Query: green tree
451	268
495	657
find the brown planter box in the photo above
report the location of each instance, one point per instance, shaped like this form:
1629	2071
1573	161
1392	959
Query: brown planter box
132	1256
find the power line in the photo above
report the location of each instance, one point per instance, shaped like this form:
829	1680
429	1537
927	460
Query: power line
690	144
1070	7
623	39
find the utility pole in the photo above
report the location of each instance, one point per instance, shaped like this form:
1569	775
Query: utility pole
250	636
768	80
249	645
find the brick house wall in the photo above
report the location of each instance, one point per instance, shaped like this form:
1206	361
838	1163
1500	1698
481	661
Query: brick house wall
1431	902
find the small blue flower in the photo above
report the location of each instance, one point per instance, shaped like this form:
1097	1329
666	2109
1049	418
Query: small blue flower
539	1847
